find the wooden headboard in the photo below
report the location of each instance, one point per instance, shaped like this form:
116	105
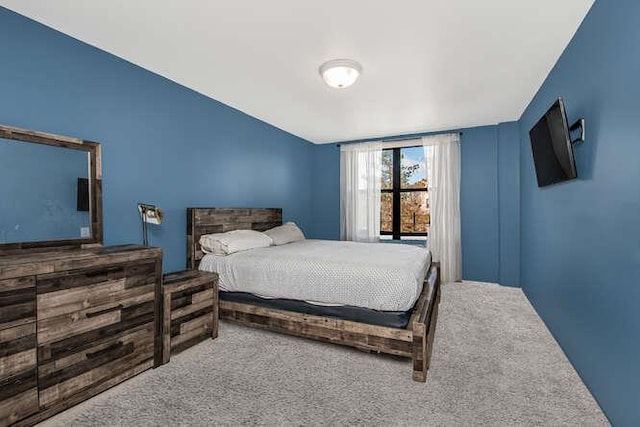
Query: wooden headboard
220	220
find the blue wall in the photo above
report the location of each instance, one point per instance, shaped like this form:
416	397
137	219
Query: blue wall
325	200
509	202
489	207
161	143
479	207
489	204
581	239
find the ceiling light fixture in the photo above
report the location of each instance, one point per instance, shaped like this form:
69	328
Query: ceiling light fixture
340	73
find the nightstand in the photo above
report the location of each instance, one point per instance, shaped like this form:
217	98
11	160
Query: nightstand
190	310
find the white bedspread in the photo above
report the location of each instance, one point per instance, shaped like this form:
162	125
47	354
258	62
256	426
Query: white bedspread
379	276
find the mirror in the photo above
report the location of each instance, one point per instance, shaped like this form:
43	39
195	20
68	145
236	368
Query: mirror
50	190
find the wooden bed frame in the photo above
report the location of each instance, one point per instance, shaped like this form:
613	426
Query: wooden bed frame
414	342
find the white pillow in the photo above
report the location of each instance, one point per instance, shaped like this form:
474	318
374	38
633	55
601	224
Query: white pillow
233	241
285	233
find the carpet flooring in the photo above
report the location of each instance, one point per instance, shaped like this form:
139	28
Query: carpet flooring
494	363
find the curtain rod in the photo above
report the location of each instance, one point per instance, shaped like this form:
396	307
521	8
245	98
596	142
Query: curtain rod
396	138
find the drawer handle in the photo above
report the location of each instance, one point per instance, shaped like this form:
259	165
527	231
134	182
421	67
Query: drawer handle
101	312
106	350
95	273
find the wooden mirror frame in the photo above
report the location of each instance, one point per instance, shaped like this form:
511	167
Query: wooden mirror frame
95	184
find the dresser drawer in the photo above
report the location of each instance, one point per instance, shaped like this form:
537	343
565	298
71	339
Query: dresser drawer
124	312
18	399
66	292
70	373
17	350
18	373
17	301
130	274
80	302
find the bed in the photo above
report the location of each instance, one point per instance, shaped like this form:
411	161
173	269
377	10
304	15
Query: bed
411	338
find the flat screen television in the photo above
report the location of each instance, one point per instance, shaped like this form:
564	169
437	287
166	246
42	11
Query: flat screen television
83	195
552	148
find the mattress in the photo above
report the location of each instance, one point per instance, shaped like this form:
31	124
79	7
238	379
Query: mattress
391	319
377	276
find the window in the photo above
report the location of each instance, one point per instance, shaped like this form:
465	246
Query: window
404	204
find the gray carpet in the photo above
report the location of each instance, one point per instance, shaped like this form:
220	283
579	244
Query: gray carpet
494	363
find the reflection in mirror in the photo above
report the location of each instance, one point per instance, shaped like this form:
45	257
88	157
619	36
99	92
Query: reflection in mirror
39	197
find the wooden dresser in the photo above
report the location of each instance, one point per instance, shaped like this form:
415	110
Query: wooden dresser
73	323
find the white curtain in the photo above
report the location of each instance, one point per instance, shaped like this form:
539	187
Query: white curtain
360	182
442	154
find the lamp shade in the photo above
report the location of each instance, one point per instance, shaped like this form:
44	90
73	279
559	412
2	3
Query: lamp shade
340	73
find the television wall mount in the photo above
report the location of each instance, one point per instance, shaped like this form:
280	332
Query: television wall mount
576	132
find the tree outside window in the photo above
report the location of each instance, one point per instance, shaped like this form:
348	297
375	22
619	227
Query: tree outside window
404	200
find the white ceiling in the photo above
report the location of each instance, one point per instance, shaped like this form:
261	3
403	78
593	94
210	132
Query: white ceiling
428	65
